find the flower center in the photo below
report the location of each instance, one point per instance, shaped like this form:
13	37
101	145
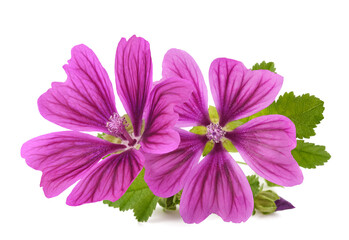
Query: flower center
215	132
116	124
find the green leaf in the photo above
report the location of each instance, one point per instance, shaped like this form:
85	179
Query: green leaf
271	184
212	111
309	155
253	180
137	197
263	65
305	111
201	130
228	145
208	147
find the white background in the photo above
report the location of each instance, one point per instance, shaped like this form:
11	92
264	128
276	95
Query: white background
307	40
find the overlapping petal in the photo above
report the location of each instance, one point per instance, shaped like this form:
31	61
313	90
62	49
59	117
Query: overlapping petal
133	71
64	157
265	143
216	185
109	179
239	92
159	135
86	100
178	63
166	173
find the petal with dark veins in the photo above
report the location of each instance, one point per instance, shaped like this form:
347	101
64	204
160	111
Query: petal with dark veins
239	92
216	185
178	63
64	157
166	173
86	100
109	179
159	135
265	143
133	73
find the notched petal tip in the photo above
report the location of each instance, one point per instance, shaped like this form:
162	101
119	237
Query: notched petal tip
239	92
85	100
217	185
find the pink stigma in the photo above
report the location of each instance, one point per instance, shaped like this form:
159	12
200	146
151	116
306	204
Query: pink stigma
116	124
215	132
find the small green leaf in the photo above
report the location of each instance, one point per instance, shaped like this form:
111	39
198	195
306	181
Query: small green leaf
263	65
228	145
137	197
208	147
232	125
214	117
309	155
271	184
201	130
253	180
265	201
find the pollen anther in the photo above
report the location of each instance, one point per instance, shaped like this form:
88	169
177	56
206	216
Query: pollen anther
215	132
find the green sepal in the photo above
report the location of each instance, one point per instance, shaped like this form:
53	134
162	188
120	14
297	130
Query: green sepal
230	126
100	135
309	155
214	117
264	201
208	147
264	65
200	130
170	203
228	145
128	126
137	197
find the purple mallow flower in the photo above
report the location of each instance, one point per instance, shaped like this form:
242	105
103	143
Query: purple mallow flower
86	102
217	184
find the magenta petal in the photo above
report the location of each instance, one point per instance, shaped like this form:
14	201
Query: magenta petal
239	92
216	185
159	135
133	72
109	179
86	100
166	173
64	157
178	63
265	143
